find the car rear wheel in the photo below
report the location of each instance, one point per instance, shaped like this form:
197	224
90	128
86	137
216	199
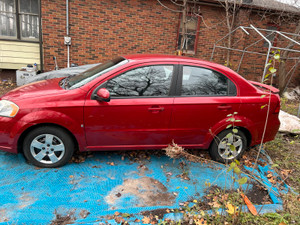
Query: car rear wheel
222	149
48	147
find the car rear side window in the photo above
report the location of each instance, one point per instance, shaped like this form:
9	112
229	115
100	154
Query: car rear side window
198	81
152	81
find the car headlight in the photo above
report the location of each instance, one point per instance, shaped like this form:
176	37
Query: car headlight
8	108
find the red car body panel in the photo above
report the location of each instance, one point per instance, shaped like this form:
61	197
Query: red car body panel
190	116
139	123
272	89
60	107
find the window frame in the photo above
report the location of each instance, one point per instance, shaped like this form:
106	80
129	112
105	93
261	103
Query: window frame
18	13
180	79
172	90
188	52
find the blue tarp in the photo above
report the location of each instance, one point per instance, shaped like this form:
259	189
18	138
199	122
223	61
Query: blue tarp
106	183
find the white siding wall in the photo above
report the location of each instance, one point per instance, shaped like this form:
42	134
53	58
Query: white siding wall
14	55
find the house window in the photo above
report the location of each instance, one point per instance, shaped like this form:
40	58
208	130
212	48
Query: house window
189	44
19	19
270	35
8	18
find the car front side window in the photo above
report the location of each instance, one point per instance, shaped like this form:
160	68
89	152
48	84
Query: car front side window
198	81
147	81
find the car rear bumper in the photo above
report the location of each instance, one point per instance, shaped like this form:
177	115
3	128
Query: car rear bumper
271	131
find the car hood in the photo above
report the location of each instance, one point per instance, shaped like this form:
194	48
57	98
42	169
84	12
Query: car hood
34	90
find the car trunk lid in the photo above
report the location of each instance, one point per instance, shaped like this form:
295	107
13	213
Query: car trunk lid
264	87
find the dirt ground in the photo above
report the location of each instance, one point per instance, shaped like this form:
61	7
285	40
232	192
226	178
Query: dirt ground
150	191
6	85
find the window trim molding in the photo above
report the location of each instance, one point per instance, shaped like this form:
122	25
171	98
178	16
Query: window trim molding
18	40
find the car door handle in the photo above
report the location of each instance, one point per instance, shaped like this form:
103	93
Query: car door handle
224	107
156	109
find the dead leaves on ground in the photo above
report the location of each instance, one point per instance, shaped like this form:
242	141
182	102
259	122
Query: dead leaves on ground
80	157
200	221
215	202
285	173
6	85
231	209
123	218
271	177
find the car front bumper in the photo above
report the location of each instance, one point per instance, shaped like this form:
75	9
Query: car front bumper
7	136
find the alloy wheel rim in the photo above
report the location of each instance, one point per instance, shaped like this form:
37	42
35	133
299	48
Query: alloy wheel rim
47	148
224	149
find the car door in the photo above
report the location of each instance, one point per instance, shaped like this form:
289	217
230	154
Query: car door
138	114
204	98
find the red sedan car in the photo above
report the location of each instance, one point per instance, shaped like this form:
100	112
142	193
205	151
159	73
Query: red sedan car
138	102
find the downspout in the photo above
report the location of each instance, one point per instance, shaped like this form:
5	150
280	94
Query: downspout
41	37
67	28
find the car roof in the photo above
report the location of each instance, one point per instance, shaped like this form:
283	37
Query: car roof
162	57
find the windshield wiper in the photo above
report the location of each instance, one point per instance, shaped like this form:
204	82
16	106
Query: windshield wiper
62	83
65	82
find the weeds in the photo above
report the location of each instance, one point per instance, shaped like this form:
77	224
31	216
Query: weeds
289	106
284	150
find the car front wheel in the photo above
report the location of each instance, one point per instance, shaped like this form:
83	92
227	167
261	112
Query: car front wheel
48	147
222	149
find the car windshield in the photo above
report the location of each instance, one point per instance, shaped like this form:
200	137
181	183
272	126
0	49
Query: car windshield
90	74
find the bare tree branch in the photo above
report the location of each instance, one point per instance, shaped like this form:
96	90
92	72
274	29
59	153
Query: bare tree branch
173	10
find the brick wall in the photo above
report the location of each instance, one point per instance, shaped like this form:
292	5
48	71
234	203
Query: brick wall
103	29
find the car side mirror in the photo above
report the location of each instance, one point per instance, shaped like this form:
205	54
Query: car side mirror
103	95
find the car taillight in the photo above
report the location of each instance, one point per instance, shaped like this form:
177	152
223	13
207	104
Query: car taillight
277	109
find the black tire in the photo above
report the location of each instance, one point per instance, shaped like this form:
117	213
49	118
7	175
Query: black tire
221	152
48	147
